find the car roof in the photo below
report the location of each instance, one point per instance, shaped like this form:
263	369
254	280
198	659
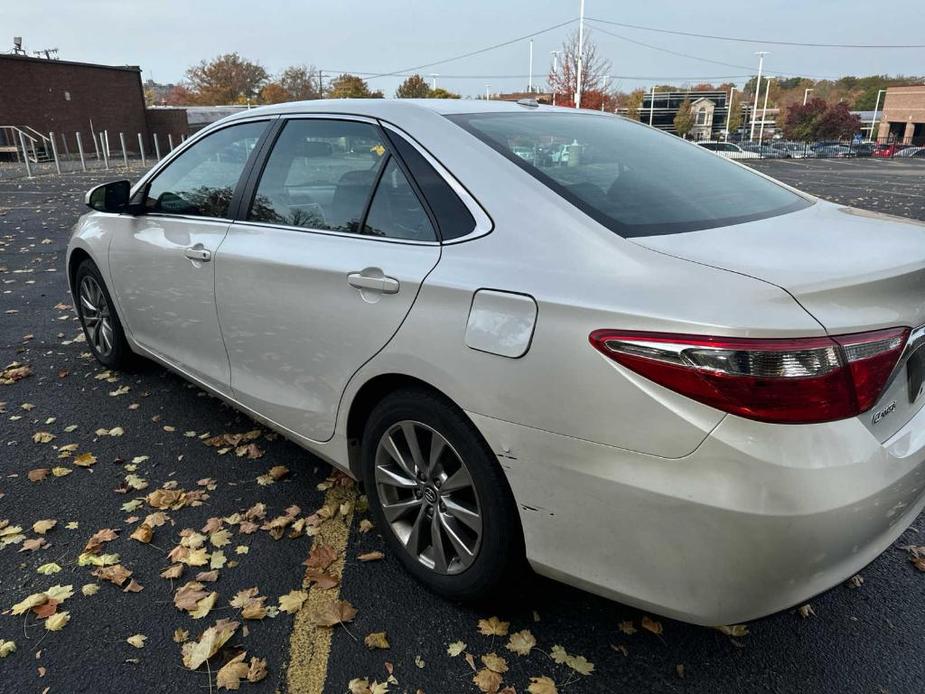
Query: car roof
391	108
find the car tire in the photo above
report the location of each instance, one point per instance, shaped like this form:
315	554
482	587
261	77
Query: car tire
477	563
99	319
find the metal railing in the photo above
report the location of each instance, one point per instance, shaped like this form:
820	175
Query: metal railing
881	148
26	152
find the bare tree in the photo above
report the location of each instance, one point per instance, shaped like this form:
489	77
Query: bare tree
564	79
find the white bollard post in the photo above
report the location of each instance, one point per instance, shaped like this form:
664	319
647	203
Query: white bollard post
25	152
67	151
96	145
80	150
170	141
124	153
141	149
103	148
106	144
157	148
54	152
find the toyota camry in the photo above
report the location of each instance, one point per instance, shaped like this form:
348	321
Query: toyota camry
538	335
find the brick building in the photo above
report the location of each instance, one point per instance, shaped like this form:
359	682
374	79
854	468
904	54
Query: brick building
903	115
39	96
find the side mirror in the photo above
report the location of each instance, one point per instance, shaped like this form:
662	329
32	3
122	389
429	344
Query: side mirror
110	197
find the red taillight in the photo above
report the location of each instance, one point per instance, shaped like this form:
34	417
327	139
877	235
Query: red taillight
786	381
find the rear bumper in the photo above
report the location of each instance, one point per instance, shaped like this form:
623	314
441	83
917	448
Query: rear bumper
759	518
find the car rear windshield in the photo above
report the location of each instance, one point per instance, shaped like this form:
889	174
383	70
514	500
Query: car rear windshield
632	179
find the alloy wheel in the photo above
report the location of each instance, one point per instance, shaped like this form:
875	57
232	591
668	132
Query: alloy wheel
427	497
97	315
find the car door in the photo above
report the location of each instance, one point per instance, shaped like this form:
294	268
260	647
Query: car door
161	261
321	269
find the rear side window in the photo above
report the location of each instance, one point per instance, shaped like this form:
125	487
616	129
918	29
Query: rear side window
634	180
396	212
453	217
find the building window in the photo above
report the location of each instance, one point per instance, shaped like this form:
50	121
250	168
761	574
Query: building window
701	117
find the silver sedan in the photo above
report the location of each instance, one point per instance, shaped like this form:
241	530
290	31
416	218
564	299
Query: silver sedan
538	336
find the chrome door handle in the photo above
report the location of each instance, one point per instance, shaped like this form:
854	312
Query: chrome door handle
199	253
383	284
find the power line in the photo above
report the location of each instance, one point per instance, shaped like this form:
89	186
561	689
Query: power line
763	41
540	75
475	52
704	60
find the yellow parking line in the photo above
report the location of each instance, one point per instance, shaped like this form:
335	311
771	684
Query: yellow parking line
310	645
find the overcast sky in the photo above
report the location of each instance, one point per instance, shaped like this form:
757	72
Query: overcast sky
164	37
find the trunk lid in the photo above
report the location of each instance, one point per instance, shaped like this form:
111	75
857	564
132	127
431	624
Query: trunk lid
851	269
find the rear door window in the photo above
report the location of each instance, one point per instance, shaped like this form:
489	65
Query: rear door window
320	175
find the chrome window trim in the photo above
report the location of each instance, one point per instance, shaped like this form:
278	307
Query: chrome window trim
331	232
483	222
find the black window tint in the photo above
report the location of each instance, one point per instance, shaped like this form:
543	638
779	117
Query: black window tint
453	217
396	212
634	180
201	180
320	175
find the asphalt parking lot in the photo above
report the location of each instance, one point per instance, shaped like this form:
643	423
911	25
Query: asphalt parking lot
256	507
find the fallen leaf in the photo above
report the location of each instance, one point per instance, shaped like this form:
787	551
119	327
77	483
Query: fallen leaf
651	625
257	669
371	556
38	474
7	647
366	525
28	603
487	681
90	589
807	611
542	685
521	642
495	663
331	613
57	621
43	526
138	640
376	639
293	600
231	673
493	627
85	460
627	628
48	569
43	437
856	581
117	574
143	533
195	653
455	648
734	630
580	664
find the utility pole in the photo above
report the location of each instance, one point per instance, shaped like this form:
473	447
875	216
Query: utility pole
651	104
764	111
530	75
728	114
581	49
806	94
761	55
320	84
604	91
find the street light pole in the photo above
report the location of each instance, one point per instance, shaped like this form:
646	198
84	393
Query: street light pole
874	121
764	111
728	114
487	94
433	79
761	55
806	94
555	72
581	48
651	104
604	91
530	76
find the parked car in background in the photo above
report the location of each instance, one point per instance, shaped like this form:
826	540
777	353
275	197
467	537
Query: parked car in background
909	151
728	150
833	151
795	150
650	373
864	149
889	150
764	151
